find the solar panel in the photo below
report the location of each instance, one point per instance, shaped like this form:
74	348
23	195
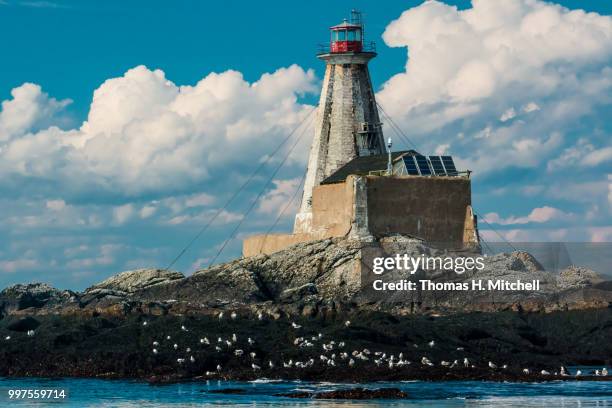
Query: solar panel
411	167
423	165
449	165
436	164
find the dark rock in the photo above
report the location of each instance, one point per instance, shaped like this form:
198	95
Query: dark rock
228	391
351	394
24	324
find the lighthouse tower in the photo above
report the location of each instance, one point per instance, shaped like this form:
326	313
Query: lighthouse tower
347	123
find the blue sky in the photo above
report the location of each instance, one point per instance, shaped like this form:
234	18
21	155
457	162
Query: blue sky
90	190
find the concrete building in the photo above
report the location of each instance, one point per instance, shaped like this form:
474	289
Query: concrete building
353	187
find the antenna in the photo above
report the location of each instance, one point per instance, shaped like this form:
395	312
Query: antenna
389	161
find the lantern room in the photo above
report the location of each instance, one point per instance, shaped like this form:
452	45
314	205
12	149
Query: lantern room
346	37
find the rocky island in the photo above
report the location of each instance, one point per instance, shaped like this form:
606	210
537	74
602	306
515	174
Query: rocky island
305	313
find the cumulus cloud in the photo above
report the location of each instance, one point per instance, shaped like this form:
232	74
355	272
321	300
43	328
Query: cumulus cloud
144	134
537	215
469	69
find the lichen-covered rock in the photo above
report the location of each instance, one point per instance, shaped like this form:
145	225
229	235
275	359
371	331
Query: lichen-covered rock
131	281
33	295
577	277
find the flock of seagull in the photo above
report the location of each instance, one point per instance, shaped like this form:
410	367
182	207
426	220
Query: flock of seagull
333	353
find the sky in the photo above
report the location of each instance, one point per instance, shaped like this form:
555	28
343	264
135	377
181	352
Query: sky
124	126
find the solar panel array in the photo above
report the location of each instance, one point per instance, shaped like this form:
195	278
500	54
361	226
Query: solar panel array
419	165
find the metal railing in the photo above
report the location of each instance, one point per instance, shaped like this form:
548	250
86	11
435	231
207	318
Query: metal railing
367	46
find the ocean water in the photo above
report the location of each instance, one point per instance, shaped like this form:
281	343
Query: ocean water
135	394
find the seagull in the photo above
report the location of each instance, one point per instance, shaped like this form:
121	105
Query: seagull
597	373
255	367
270	364
168	337
192	359
218	348
175	346
30	333
252	354
220	316
155	351
155	343
604	372
180	360
295	325
505	366
544	372
426	361
525	371
218	367
347	323
238	352
351	362
233	315
188	349
205	340
460	348
234	337
250	341
578	373
466	362
492	365
431	343
144	323
444	363
183	328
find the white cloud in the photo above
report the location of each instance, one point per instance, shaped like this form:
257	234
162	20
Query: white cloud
123	213
56	205
16	265
275	201
466	66
146	134
147	211
537	215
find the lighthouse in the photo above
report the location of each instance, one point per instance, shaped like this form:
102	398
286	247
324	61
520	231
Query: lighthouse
355	188
347	124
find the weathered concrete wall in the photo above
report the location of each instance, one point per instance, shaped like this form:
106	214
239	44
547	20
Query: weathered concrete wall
436	209
431	208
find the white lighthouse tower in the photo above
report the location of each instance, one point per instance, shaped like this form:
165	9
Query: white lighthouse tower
347	123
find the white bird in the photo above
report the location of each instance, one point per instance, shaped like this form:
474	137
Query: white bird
260	316
270	364
578	373
234	337
168	337
175	346
492	365
30	333
431	343
233	315
252	354
597	373
192	359
218	348
255	367
218	367
205	340
525	371
544	372
154	351
444	363
144	323
188	349
347	323
460	349
295	325
183	328
238	352
466	362
180	360
505	366
219	340
604	372
341	344
426	361
220	316
250	341
351	362
155	343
